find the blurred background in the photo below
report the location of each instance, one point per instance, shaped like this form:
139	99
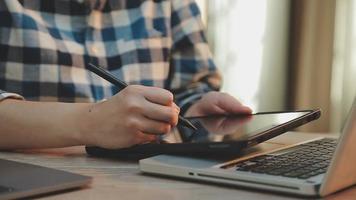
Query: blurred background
286	54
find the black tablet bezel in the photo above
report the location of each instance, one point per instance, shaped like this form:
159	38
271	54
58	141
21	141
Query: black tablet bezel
151	149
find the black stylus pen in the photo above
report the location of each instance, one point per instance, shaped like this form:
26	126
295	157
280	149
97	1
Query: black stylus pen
121	85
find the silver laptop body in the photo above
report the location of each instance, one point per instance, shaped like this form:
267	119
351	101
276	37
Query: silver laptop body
340	173
19	180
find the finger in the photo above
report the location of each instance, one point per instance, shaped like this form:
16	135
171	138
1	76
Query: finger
142	138
167	114
150	126
231	105
159	96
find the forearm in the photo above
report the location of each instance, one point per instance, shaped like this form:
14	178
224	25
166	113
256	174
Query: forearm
25	124
134	116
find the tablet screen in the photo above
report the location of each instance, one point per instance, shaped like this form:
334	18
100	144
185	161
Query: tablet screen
229	128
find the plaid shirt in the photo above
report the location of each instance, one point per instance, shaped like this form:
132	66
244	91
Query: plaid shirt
45	46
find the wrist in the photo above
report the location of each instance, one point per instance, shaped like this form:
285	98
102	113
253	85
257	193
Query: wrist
189	108
192	110
82	124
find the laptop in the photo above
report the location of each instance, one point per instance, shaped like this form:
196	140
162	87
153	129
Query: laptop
19	180
313	168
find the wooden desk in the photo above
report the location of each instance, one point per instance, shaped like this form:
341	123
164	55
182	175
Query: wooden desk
115	179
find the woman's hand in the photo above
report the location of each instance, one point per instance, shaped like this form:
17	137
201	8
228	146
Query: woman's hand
217	103
135	115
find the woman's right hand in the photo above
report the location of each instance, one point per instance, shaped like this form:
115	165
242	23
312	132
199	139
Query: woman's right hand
135	115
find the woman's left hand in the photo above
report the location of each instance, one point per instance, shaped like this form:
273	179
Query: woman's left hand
217	103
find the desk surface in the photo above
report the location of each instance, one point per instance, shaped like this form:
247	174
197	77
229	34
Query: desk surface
115	179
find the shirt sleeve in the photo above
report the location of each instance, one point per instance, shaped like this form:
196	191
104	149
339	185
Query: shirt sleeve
193	72
6	95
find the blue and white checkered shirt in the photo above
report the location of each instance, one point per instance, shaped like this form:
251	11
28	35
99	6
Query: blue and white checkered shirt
45	46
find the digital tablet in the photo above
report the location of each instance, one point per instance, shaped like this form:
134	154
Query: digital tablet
216	134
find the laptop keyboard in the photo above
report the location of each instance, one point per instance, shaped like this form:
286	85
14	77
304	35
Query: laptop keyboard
307	160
